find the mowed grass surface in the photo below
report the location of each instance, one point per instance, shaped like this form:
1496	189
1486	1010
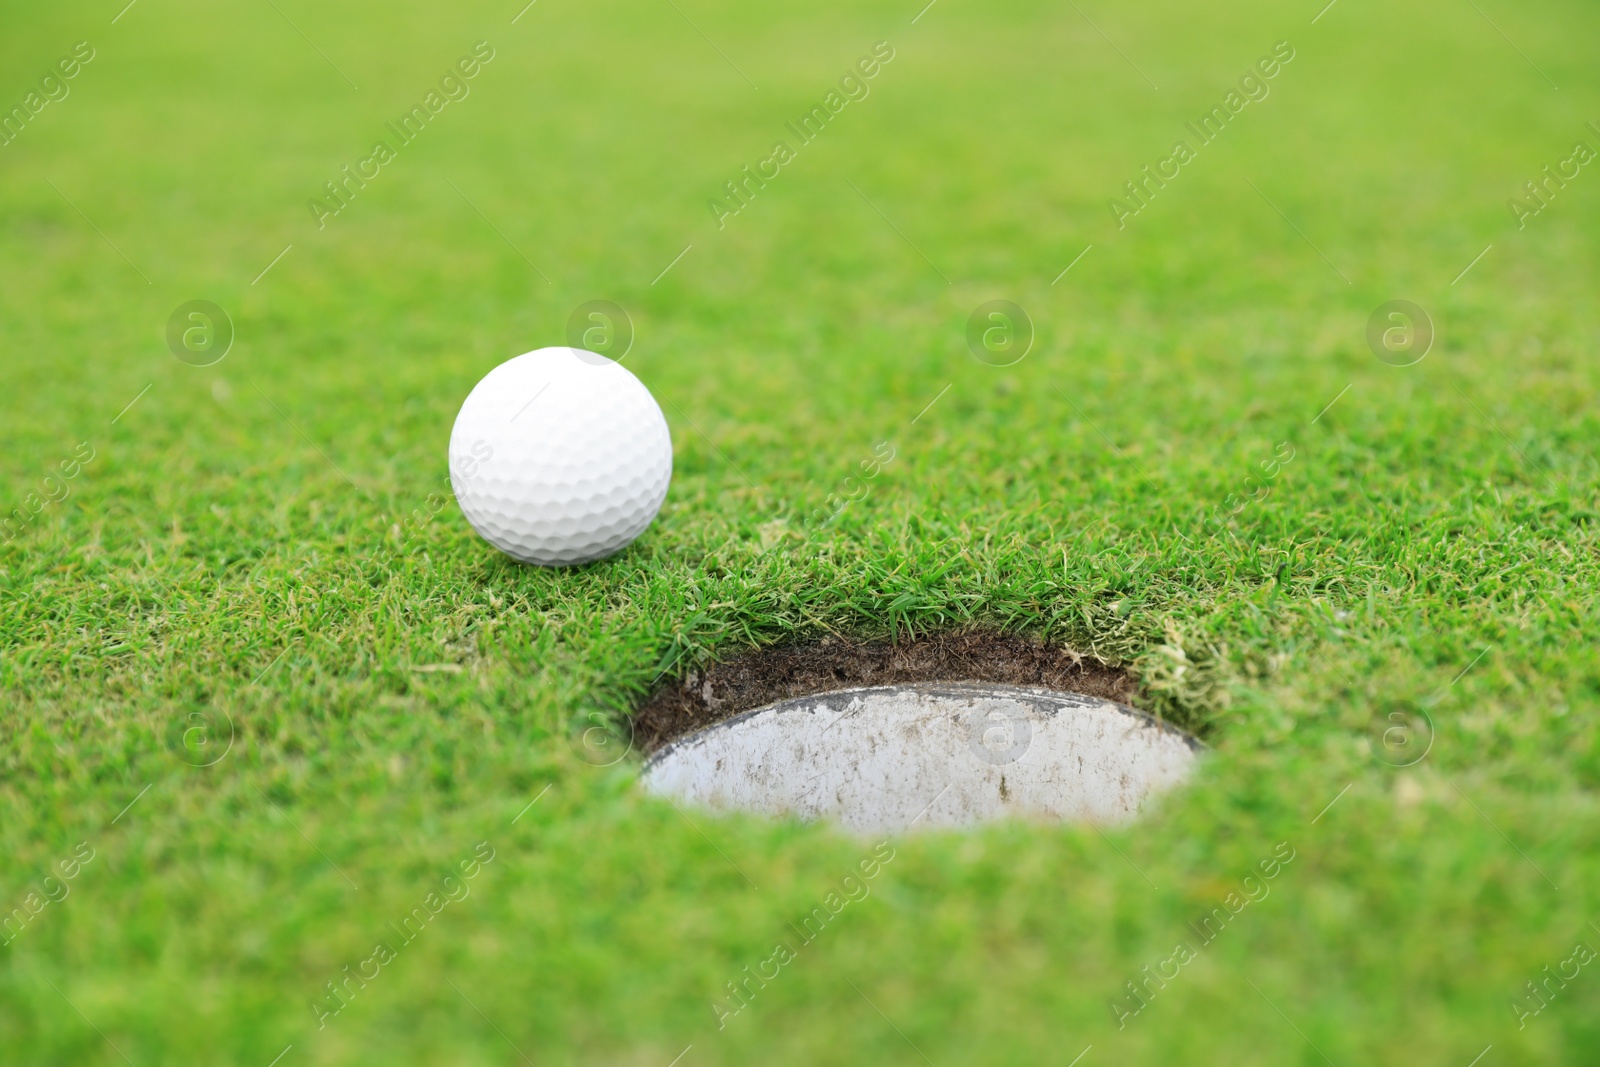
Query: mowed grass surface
266	546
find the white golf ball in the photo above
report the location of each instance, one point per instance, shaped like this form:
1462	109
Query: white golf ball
560	456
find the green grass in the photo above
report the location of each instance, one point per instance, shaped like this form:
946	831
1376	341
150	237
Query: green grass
260	542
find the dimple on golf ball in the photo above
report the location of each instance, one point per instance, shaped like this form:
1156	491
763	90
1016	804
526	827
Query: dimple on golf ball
560	456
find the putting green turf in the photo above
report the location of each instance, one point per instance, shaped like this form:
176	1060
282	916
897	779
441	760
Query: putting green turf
266	548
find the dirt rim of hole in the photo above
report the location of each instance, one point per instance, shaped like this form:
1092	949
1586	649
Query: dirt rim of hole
763	676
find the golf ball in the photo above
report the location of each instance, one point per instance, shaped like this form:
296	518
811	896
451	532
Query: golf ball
560	456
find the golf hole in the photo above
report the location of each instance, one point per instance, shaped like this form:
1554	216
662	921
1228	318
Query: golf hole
917	753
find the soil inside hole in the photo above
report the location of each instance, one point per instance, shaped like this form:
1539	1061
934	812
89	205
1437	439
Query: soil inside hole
760	677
